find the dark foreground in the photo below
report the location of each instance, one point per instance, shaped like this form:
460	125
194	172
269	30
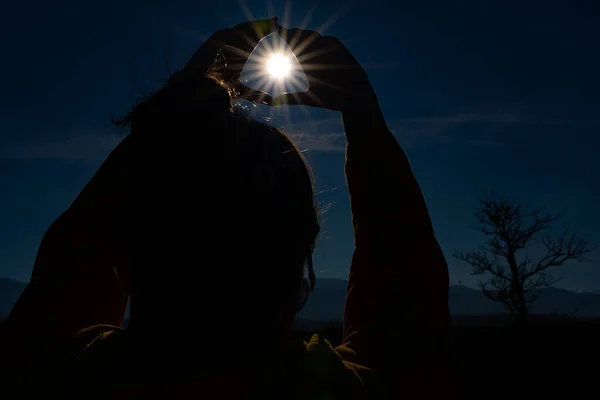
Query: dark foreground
549	359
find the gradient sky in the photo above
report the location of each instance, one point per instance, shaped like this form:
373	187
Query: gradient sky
502	96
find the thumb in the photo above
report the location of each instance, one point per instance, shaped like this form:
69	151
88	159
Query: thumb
298	98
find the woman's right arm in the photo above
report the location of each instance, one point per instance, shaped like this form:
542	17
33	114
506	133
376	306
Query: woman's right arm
396	314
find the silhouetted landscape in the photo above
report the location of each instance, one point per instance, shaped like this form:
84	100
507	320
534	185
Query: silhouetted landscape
554	355
467	305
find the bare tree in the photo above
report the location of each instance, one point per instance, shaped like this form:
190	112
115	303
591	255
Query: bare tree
510	228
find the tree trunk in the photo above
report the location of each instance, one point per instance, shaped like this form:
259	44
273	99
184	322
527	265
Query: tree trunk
517	289
523	314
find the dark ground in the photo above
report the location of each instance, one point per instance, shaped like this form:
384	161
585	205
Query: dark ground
552	358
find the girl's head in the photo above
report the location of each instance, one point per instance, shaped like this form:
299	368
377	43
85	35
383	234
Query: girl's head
220	220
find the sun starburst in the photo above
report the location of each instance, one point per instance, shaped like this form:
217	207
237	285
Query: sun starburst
278	66
273	68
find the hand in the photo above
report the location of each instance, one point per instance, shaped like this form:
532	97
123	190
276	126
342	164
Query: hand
226	53
336	81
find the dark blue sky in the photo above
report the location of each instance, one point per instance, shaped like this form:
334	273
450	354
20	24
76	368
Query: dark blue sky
502	96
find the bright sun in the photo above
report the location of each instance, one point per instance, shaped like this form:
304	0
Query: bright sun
278	66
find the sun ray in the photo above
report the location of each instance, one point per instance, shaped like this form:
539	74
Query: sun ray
269	48
270	8
250	41
287	114
309	56
298	47
237	51
314	98
318	67
327	84
277	44
330	21
306	19
295	83
247	13
287	13
264	81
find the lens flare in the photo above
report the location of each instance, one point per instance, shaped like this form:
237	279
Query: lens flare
278	66
272	68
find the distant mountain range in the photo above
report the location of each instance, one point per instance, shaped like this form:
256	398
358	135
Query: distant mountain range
326	303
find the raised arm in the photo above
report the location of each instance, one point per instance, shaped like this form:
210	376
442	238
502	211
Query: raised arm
396	315
74	283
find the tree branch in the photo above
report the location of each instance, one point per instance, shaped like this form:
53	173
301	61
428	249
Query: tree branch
508	228
482	264
558	251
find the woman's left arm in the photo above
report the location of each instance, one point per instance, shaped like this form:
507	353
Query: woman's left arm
77	279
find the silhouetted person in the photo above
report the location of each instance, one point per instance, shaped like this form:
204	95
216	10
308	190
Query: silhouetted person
207	219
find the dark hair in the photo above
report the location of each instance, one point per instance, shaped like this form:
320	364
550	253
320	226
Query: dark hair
213	193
